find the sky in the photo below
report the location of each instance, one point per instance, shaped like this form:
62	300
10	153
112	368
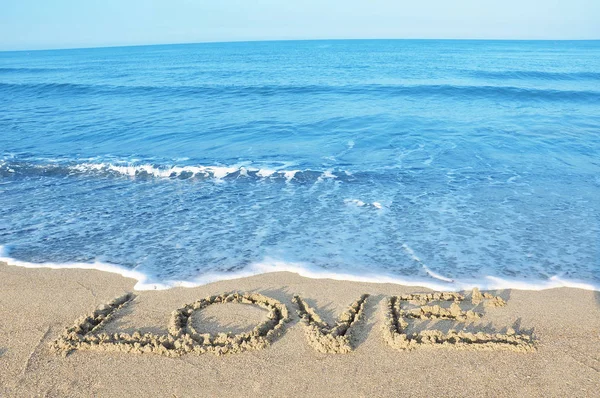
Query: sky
43	24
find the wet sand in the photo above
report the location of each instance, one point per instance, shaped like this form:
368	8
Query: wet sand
389	340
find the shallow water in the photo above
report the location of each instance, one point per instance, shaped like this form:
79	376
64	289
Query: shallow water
443	163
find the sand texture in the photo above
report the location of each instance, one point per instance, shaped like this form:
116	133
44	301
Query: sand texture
82	333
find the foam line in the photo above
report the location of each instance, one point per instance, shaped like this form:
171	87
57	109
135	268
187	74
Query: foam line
99	266
144	282
436	275
132	168
429	272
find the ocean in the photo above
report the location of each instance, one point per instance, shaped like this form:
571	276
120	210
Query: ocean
445	164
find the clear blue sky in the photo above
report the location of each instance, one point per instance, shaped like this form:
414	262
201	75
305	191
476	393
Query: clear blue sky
36	24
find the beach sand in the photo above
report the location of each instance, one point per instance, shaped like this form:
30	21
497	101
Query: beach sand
37	305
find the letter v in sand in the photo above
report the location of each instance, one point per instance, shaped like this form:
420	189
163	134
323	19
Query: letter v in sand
330	339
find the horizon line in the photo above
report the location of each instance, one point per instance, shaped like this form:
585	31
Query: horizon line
280	40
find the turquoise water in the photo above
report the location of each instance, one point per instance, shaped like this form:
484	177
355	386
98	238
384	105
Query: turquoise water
441	163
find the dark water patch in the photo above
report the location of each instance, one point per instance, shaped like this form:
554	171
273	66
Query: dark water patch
455	92
535	75
25	70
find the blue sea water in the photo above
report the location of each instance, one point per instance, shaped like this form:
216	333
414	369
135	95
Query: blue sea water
440	163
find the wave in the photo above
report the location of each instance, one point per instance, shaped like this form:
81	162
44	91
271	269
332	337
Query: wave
119	169
7	70
534	75
147	282
430	90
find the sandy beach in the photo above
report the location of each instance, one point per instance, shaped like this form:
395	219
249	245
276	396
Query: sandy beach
38	305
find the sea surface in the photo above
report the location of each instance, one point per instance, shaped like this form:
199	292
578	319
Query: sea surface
445	164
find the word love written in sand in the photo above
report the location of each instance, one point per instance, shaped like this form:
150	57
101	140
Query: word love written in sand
402	316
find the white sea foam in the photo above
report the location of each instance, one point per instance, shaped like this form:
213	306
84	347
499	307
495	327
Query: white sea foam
360	203
265	173
158	172
429	272
327	174
107	267
144	282
137	168
410	252
216	172
354	202
220	172
289	175
551	283
436	275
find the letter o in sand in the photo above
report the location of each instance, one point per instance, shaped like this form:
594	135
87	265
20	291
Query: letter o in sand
188	339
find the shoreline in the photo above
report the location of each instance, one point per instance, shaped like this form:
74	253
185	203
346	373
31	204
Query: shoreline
437	282
39	304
